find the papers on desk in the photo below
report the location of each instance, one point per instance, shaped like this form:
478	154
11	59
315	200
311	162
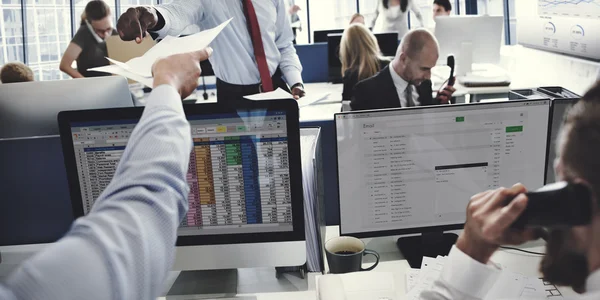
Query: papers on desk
509	285
358	286
140	68
311	99
279	93
489	76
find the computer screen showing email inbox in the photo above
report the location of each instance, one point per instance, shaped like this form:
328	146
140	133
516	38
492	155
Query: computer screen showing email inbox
419	168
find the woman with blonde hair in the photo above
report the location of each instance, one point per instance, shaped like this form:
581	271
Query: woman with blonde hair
360	57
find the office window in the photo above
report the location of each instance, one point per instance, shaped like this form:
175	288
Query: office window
301	25
11	32
125	4
367	9
330	14
48	31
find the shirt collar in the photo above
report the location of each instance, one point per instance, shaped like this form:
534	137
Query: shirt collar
400	83
592	283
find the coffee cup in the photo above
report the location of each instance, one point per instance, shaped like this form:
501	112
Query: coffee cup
345	253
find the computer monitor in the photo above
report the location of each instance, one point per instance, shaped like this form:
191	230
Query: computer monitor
246	200
559	108
30	108
414	170
320	36
388	44
481	34
36	206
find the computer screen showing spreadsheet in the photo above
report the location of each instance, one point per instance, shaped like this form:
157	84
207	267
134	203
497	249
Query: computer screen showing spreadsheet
238	174
413	168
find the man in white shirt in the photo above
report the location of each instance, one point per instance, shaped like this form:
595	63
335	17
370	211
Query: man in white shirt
406	81
253	54
572	255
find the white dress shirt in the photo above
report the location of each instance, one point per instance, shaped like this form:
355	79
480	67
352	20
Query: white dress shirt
393	19
125	246
401	86
233	60
465	278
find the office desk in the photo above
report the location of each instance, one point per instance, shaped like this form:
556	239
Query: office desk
393	262
530	68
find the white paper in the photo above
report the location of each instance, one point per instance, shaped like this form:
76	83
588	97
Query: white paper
276	94
171	46
141	67
114	69
412	277
311	99
534	289
363	286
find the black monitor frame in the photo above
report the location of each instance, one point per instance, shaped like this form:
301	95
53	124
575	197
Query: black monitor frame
320	36
414	230
568	101
65	119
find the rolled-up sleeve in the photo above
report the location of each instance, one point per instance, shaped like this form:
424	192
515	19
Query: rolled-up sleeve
125	246
462	278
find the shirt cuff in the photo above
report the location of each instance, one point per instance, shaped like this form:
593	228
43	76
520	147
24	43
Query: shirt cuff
165	96
292	76
165	14
468	276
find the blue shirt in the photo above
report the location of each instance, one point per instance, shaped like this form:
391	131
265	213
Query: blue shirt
233	59
125	246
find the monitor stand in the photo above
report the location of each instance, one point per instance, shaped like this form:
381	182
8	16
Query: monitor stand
210	284
430	244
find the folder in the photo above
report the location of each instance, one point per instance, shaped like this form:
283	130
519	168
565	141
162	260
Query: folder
314	216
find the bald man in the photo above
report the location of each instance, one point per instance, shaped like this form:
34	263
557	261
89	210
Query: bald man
406	81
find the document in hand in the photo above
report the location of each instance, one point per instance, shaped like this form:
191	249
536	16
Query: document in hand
140	68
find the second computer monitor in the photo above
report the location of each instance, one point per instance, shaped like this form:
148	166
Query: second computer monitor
481	34
414	170
559	108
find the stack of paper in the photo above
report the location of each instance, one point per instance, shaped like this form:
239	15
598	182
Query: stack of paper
140	68
314	223
508	285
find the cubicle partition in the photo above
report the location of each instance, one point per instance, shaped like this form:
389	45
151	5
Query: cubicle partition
314	62
330	184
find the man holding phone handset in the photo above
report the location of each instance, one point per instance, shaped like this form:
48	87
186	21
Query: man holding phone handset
406	81
573	252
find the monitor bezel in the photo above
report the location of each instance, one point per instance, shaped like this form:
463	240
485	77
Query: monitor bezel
425	229
553	102
65	118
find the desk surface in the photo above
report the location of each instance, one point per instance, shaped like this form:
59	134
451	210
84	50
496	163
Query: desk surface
392	261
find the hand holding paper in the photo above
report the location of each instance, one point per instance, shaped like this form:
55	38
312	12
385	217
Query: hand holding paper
140	68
